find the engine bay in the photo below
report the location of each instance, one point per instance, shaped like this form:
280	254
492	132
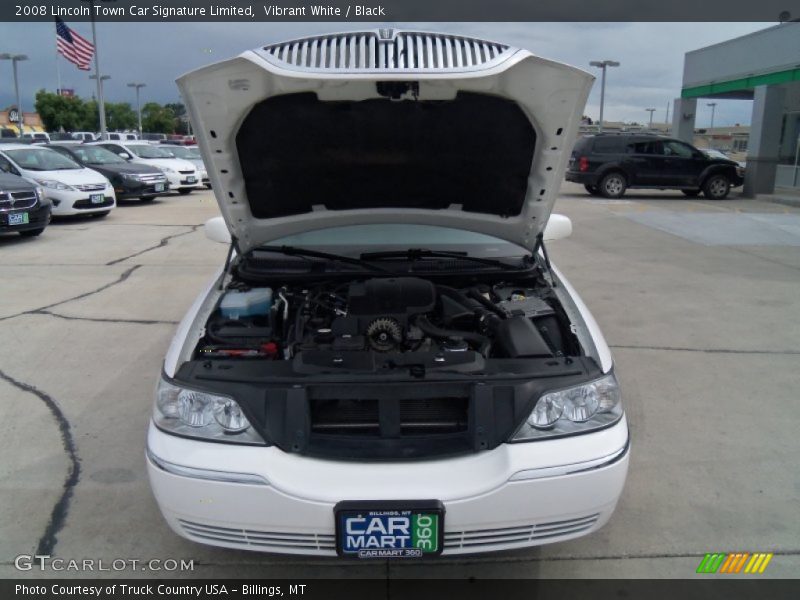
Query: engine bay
373	323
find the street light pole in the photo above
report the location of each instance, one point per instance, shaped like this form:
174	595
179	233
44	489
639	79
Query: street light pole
602	64
15	58
101	104
138	86
713	106
651	111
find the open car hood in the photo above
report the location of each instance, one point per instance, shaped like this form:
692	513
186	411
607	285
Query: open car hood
385	126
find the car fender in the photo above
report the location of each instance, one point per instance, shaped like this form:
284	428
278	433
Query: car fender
713	169
606	168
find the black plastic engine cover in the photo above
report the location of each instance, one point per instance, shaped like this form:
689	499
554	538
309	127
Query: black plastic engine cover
398	297
518	337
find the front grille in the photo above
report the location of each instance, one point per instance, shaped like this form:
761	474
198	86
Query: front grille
16	200
186	172
86	204
263	540
387	51
91	187
478	539
151	177
411	417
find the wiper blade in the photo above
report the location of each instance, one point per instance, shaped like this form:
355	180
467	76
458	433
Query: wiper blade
414	254
302	252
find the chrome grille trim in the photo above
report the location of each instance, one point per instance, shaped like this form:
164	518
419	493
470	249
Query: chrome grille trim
404	51
260	539
520	535
150	177
17	200
90	187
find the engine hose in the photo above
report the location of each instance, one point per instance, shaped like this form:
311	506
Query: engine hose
478	297
483	342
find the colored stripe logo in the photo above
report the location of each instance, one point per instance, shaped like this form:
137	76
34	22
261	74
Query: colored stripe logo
734	563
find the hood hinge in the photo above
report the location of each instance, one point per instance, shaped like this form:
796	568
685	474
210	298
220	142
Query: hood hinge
234	246
549	268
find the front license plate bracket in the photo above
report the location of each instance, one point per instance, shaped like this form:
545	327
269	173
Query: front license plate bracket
387	529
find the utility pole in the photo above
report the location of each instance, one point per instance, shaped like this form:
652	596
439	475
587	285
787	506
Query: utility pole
138	86
602	64
713	106
651	111
15	58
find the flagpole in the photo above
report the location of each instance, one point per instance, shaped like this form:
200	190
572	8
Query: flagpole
58	66
100	101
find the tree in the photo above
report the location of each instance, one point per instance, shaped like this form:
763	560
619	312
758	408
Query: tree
120	116
157	118
91	121
182	119
57	112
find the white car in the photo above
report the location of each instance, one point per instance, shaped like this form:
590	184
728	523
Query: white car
192	154
72	188
387	365
84	136
181	174
37	136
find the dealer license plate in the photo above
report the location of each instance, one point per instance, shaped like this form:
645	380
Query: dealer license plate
391	529
159	187
96	198
191	179
18	218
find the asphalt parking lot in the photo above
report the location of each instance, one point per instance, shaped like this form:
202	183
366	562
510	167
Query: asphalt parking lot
699	300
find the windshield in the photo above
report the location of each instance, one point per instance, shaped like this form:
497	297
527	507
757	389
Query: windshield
41	159
96	155
354	240
148	151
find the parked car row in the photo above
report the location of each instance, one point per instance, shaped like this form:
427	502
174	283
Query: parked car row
70	177
90	136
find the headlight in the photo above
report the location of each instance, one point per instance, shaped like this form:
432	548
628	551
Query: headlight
40	195
55	185
203	415
168	169
578	409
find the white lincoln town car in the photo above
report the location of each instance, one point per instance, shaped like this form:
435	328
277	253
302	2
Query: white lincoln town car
387	365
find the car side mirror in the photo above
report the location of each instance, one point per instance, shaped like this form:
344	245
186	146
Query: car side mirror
217	231
124	155
558	227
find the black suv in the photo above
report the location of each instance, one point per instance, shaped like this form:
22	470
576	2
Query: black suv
608	164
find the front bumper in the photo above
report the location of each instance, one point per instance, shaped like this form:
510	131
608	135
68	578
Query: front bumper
143	189
80	203
178	181
38	218
580	177
514	496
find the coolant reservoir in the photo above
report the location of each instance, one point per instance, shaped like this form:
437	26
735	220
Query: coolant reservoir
252	303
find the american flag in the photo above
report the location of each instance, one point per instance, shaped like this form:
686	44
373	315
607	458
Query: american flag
73	47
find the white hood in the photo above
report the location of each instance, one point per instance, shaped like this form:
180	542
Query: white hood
386	126
70	176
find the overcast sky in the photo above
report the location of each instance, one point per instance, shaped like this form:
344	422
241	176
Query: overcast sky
156	53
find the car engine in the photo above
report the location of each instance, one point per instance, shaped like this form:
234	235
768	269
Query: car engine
384	317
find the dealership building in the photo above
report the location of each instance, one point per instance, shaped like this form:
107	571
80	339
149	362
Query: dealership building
763	67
